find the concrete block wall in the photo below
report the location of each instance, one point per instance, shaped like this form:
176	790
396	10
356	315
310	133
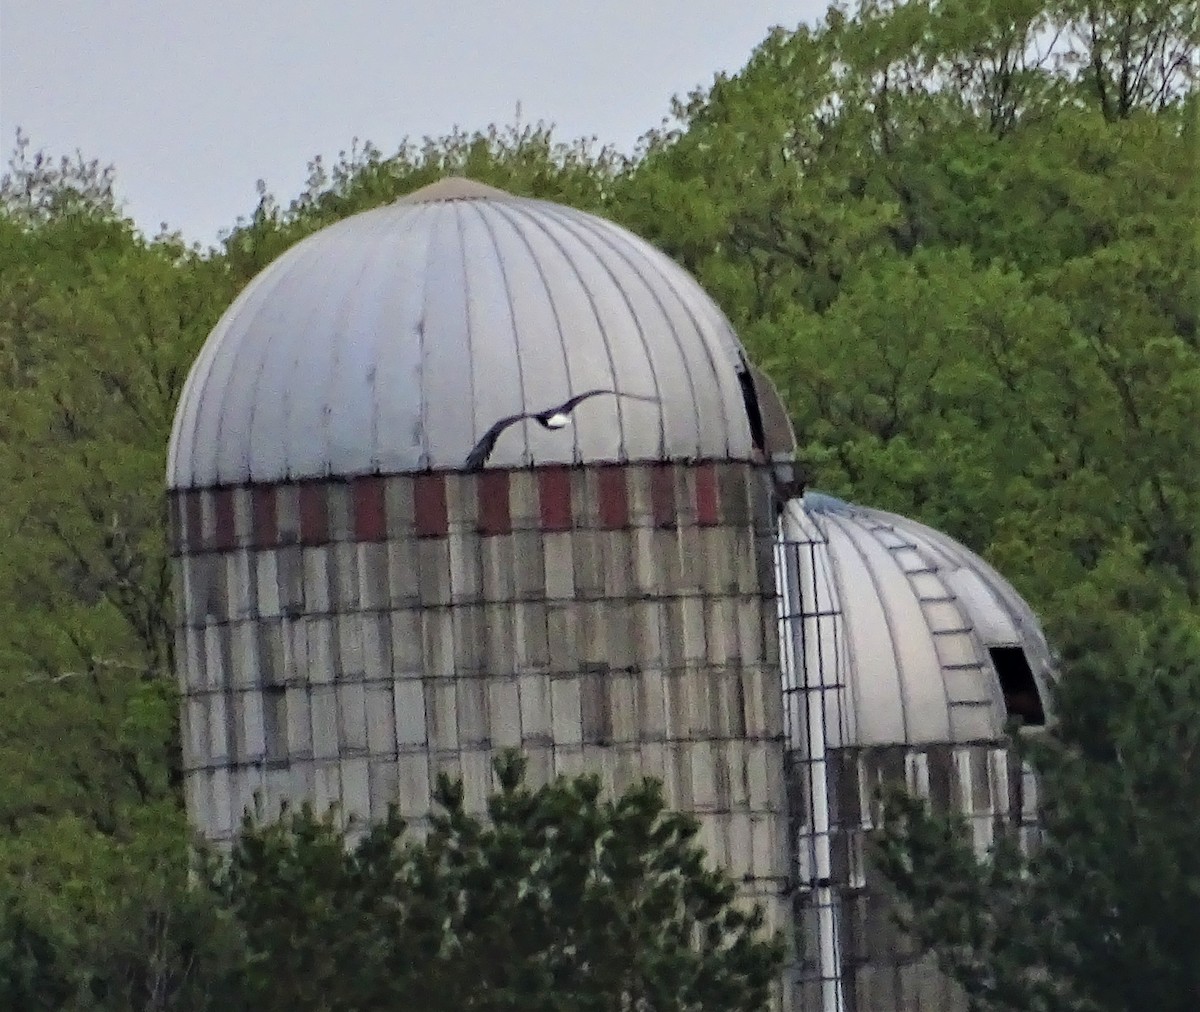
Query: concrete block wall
346	641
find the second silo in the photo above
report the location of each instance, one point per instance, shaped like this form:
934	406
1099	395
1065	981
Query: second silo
905	659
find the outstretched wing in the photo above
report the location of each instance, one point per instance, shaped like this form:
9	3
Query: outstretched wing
487	442
570	404
483	449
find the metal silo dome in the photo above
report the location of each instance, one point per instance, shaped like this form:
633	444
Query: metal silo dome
930	643
390	342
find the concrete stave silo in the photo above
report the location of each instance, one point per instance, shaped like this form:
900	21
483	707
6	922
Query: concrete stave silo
905	657
357	612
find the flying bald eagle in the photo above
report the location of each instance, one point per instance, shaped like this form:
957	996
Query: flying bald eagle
553	418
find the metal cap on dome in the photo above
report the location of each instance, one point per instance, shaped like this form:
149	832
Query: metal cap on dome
392	341
454	188
932	644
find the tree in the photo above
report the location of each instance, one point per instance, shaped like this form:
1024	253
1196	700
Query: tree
1103	915
526	159
110	923
974	283
559	901
97	328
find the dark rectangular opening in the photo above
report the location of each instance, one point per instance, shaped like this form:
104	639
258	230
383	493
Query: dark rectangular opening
753	411
1021	696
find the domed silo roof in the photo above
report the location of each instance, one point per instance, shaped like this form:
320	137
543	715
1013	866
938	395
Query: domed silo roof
932	644
390	342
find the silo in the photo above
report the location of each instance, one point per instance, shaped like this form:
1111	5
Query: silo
359	610
904	658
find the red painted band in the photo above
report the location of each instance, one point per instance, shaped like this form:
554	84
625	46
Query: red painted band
554	498
495	509
613	494
429	506
370	515
314	513
224	534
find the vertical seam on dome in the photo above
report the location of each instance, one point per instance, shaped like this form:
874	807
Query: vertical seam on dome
502	209
512	320
424	456
289	373
851	690
280	272
233	370
910	544
718	322
622	451
669	281
403	235
412	213
824	577
377	252
614	237
190	396
887	621
335	336
584	222
622	454
249	437
466	294
286	403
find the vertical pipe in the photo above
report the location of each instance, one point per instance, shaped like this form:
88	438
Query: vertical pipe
807	686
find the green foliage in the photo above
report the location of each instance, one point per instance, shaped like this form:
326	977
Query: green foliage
97	329
1105	914
32	971
973	279
526	160
559	901
110	922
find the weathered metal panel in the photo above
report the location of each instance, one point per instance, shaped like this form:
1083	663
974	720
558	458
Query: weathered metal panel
566	710
476	778
299	722
437	639
320	664
379	703
318	585
194	734
352	718
392	340
413	784
218	728
473	718
504	705
323	710
407	643
355	789
376	646
441	714
535	703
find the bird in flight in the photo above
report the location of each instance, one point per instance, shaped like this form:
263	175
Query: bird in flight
554	418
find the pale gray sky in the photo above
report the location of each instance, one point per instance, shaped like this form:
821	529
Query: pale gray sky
195	101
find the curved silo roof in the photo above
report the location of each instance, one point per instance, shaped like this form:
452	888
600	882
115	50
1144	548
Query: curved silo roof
390	342
931	644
